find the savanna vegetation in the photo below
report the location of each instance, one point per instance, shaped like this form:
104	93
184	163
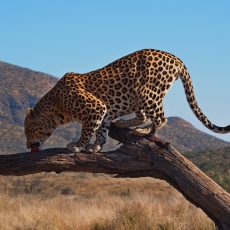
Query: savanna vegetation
94	202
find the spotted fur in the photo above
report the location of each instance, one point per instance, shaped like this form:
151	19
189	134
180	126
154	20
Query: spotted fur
136	83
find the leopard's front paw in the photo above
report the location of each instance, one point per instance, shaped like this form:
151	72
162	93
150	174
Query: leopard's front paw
93	148
73	147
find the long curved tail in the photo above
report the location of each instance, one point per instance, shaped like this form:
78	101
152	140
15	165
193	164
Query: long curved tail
187	83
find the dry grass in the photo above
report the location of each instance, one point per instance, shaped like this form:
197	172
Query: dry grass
96	202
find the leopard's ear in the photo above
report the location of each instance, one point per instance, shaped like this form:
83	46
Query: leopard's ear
30	112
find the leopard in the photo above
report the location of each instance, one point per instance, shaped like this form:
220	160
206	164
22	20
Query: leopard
135	83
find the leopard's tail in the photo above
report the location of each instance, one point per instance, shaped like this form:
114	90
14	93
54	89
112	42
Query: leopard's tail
187	83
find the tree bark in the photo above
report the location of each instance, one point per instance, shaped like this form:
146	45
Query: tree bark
145	156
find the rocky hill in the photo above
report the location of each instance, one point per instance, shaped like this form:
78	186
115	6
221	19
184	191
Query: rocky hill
21	88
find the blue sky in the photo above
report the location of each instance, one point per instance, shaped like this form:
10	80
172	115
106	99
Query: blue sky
60	36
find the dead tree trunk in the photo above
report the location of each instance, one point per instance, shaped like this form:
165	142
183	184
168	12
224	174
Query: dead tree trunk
138	157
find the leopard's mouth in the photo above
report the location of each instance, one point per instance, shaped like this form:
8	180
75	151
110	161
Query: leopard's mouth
35	147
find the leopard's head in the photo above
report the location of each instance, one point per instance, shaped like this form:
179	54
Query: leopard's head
37	129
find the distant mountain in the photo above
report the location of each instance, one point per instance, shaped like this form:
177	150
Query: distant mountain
12	138
185	137
21	88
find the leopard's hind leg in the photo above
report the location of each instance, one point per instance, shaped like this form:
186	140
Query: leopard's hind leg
153	111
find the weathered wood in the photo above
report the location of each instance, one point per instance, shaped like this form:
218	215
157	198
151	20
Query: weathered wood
138	157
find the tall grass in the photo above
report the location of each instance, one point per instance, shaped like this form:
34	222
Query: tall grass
97	203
